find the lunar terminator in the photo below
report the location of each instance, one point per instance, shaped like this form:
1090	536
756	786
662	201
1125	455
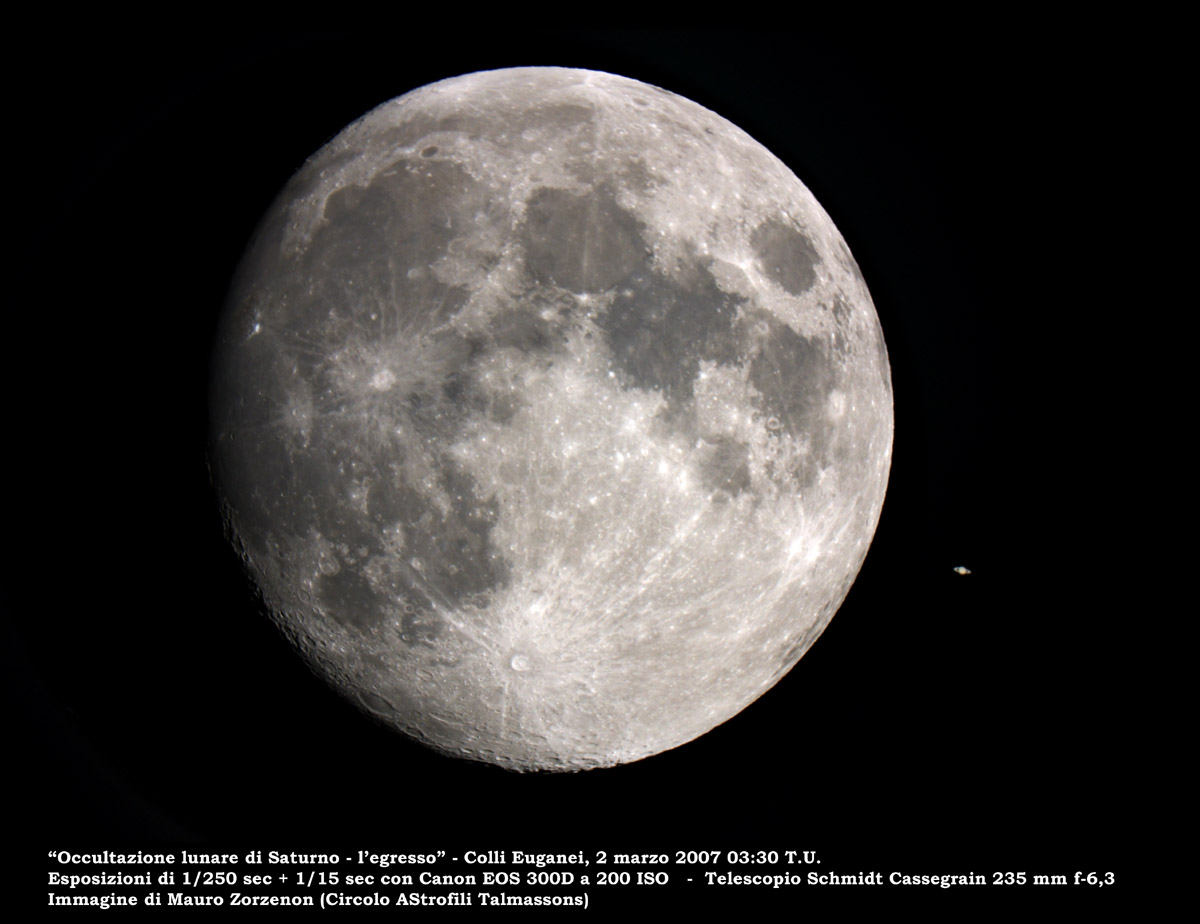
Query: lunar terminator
551	416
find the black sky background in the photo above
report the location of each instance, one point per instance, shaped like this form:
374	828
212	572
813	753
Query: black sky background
978	720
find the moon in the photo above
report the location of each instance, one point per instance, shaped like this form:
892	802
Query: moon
551	417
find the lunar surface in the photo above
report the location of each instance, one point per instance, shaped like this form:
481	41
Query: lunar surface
551	417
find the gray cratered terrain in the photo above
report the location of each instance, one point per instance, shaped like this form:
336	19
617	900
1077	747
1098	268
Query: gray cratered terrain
552	417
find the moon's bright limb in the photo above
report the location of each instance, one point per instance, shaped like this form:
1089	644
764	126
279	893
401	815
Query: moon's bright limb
552	416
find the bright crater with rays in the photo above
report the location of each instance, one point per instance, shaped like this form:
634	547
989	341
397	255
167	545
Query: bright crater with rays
551	416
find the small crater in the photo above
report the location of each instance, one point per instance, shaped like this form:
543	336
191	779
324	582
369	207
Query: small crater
429	151
376	703
520	662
